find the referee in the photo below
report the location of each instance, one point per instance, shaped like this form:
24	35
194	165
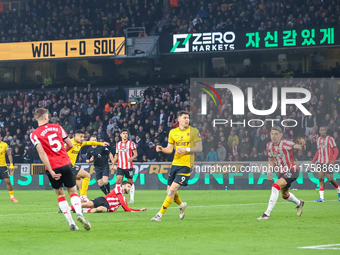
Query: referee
99	155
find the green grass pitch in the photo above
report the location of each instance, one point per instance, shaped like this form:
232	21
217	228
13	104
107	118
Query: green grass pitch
216	222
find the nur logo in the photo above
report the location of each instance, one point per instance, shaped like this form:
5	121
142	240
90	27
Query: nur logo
204	97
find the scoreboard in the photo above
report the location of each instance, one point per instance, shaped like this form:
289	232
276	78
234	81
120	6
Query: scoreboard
96	47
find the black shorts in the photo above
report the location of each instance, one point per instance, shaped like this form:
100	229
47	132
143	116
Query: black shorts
180	175
67	177
4	172
290	177
128	173
102	171
101	201
76	170
324	168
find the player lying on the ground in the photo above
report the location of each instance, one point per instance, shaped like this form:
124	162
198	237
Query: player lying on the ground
325	156
111	202
280	157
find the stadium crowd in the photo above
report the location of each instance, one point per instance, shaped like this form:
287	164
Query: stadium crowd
104	112
76	19
224	15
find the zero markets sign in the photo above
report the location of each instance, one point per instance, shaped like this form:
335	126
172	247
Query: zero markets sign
249	40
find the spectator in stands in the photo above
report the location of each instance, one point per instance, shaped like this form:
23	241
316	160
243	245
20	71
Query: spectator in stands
212	156
232	137
221	152
151	153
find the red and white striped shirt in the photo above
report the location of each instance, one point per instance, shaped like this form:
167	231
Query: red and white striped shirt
325	149
125	151
116	199
283	154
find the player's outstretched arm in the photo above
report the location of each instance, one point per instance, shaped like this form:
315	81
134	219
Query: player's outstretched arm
125	206
167	150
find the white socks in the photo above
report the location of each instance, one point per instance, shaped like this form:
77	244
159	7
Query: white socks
63	205
322	193
273	198
292	198
75	200
132	192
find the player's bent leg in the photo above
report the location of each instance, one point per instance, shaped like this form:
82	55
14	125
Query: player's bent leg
99	209
85	184
75	200
101	185
64	207
276	187
79	182
167	202
10	190
106	184
88	204
334	183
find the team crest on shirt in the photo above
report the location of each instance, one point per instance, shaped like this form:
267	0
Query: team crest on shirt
188	134
277	154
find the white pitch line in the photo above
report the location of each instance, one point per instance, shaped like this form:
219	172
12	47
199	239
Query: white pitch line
322	247
153	208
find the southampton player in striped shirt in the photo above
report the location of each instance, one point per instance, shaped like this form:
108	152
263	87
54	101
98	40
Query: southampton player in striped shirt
111	202
280	158
82	176
126	152
325	156
187	141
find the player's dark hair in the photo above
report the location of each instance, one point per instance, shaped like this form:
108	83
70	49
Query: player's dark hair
180	113
79	131
126	182
124	130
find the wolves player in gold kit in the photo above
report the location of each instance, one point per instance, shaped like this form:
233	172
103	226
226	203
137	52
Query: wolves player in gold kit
187	141
82	176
